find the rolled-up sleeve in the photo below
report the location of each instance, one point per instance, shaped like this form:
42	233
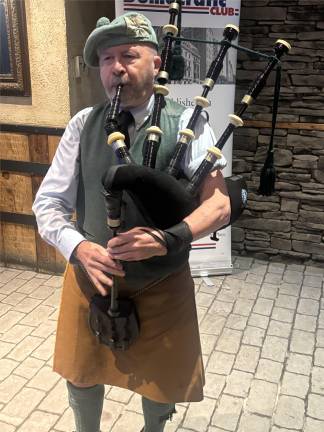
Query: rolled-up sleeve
55	200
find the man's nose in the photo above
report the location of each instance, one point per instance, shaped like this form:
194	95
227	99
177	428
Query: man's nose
118	67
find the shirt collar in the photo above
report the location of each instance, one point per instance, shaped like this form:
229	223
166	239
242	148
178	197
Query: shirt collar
142	112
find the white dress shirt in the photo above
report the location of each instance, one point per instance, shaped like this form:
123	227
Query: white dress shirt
56	198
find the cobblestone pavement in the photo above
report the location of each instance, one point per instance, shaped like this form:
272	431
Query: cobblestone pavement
262	332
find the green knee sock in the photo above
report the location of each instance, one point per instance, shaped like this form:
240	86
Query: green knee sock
156	414
86	403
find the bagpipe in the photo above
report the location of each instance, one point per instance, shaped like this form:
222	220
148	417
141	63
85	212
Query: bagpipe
153	191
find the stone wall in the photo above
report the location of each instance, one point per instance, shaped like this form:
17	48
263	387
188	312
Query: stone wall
290	224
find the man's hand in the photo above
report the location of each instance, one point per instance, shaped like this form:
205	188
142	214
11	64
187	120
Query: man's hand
98	262
137	244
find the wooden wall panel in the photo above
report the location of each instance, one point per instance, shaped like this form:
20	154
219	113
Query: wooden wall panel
14	146
16	193
53	142
19	244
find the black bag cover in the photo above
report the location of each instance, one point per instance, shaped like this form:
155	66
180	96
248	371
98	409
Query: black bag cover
117	331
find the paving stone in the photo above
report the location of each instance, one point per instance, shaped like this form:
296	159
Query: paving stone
321	319
262	397
299	363
320	338
253	423
278	429
236	322
212	324
221	308
66	421
227	413
13	299
313	281
289	289
16	333
305	322
269	291
302	342
311	292
284	315
208	343
30	286
6	367
260	321
313	425
45	349
243	263
273	278
24	348
11	286
27	275
276	268
45	329
220	363
201	312
44	379
318	380
4	427
293	277
214	385
253	336
238	383
29	367
280	329
228	295
120	395
10	387
274	348
319	357
243	307
263	306
198	419
269	370
286	301
9	319
254	278
7	275
229	341
37	316
39	421
295	385
128	422
5	348
315	406
20	407
27	305
204	300
290	412
249	291
312	270
42	292
308	307
247	358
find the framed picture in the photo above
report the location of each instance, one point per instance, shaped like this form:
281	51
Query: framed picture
14	62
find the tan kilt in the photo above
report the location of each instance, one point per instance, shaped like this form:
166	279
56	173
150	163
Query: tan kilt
165	362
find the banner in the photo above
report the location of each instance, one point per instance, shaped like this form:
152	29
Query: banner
203	20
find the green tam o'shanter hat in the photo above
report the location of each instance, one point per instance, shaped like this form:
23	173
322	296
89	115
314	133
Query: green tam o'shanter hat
130	28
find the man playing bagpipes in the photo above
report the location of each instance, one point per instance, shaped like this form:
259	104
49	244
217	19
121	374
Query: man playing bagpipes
161	359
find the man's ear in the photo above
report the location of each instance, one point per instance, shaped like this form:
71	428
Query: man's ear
157	64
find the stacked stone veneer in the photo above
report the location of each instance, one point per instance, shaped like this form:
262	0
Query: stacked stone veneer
289	224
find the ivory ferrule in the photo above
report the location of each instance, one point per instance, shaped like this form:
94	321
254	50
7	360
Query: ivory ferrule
174	6
209	83
161	89
154	133
186	135
247	99
201	101
163	75
170	28
236	120
213	154
283	42
113	223
114	137
233	27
